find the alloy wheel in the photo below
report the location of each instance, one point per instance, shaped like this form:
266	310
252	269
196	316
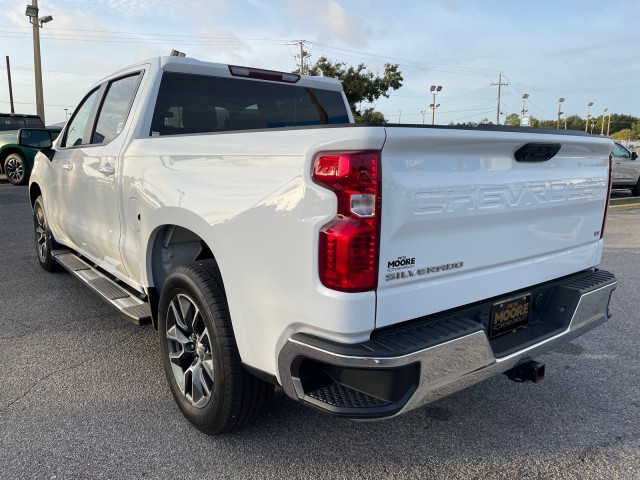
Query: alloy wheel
14	169
190	353
41	234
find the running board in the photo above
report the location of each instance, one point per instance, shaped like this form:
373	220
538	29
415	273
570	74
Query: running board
135	310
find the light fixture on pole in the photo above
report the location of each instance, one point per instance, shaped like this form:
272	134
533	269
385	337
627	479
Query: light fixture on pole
602	127
433	107
524	98
37	22
560	100
423	112
586	125
434	90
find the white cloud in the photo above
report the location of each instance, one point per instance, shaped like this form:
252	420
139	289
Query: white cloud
329	22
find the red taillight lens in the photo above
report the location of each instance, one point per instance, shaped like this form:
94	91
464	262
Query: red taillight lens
349	244
606	200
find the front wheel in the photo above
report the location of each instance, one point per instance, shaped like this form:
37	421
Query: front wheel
16	169
43	237
200	356
635	191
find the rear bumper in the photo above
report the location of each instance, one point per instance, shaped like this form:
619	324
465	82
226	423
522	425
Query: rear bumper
406	368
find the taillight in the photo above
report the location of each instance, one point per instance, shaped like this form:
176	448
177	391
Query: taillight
349	244
606	200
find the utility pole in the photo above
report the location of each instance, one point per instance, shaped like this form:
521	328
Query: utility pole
499	84
608	124
602	128
10	89
301	55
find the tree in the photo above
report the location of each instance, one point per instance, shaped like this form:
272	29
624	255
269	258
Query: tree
512	119
625	134
360	85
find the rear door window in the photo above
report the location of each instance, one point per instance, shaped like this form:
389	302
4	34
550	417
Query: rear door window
115	108
190	104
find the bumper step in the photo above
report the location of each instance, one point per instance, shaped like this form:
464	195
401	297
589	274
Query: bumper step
133	308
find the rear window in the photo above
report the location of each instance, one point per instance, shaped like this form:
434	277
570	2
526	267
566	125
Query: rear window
8	122
198	103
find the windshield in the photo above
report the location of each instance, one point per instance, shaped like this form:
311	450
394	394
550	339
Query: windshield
16	123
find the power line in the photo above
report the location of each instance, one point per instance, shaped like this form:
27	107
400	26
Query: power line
471	116
56	71
478	71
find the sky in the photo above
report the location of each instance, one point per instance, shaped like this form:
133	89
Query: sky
582	50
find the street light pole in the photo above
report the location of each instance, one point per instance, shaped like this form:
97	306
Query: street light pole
602	128
560	100
524	98
608	124
37	22
434	90
399	116
586	126
423	112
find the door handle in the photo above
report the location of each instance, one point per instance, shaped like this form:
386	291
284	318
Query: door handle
67	166
107	169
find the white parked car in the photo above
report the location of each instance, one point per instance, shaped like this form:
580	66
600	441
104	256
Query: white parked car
626	169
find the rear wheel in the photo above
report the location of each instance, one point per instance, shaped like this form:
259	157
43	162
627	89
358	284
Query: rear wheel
199	353
16	169
43	237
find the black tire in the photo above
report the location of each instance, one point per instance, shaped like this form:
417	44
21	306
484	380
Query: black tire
194	327
44	240
16	169
635	191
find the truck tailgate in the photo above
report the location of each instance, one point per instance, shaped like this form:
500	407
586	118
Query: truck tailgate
463	221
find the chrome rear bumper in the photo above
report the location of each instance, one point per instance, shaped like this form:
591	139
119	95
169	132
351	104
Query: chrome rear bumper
344	383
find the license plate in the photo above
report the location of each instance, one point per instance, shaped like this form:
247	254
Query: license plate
509	315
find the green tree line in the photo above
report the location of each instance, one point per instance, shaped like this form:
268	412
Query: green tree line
621	126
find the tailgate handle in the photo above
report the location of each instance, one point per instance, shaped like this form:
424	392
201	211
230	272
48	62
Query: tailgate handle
537	152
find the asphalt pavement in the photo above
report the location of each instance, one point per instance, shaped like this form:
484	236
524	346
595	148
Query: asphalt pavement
83	396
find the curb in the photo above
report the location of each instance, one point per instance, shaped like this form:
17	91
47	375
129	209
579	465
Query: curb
618	204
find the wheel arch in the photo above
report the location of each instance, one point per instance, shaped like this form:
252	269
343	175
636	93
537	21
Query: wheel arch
169	246
34	192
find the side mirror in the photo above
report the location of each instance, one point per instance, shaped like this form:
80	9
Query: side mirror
634	155
39	138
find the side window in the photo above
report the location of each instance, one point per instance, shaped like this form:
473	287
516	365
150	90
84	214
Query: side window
620	152
78	125
115	108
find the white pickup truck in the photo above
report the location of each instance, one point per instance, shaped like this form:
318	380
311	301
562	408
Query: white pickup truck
366	269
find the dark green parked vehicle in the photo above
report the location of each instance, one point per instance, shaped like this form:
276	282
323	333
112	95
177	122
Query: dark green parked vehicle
16	161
